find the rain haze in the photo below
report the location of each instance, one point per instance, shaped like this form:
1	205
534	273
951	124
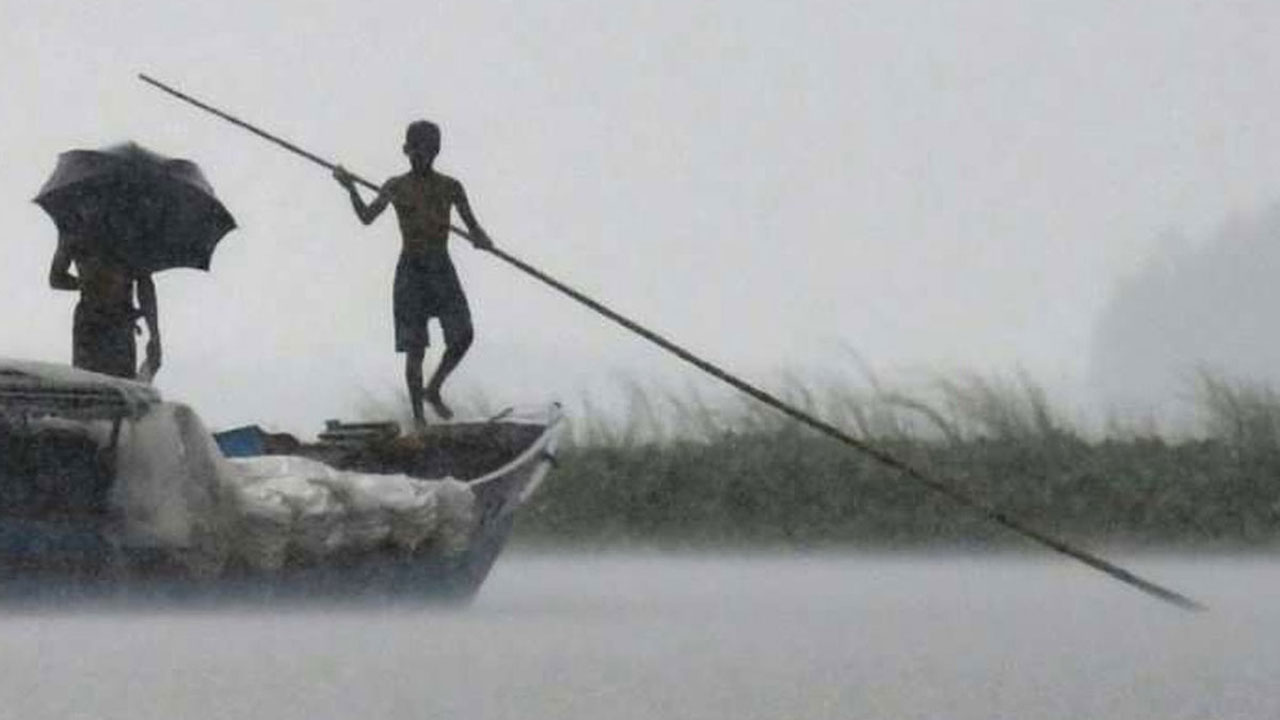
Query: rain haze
1085	192
932	186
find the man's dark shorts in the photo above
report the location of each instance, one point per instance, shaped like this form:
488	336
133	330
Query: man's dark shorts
102	340
427	286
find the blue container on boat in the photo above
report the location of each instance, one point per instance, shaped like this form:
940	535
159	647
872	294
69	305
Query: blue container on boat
244	441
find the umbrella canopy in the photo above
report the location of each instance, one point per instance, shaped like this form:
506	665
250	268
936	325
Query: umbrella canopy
147	211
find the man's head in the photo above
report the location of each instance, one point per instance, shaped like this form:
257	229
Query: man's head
422	143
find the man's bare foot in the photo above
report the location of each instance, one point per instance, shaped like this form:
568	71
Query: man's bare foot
437	404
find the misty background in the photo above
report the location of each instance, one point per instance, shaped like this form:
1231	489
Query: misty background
1198	307
1085	192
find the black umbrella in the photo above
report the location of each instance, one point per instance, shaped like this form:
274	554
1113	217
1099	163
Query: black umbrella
147	211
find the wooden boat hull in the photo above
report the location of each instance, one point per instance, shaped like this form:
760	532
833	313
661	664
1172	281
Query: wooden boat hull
71	556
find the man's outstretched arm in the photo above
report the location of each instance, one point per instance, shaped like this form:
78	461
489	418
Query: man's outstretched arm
366	213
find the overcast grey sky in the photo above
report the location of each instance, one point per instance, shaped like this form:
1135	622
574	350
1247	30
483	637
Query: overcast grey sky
932	184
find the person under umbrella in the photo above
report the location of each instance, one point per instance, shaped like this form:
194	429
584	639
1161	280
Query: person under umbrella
102	335
124	213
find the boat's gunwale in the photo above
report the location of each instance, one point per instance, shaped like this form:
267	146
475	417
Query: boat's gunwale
548	436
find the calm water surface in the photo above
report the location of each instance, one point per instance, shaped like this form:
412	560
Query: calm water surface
662	636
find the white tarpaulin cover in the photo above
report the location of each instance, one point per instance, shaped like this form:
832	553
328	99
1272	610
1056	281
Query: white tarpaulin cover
25	382
172	487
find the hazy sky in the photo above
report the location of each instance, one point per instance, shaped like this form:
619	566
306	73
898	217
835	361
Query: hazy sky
930	184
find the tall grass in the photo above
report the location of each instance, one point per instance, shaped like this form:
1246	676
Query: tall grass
681	469
1244	415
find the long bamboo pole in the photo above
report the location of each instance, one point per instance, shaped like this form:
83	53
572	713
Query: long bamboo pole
947	489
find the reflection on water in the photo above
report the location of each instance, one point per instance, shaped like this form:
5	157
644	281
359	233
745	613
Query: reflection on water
659	636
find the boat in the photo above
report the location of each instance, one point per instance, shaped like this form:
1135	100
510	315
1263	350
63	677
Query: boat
108	492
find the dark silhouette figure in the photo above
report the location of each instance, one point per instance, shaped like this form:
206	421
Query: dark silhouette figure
426	283
106	318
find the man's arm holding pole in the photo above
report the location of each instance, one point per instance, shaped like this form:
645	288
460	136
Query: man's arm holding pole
476	234
366	212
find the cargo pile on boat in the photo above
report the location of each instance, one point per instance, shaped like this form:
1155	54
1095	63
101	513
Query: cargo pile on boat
297	506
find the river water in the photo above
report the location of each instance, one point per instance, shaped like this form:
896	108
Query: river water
583	635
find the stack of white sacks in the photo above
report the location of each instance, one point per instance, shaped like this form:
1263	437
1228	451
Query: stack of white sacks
296	504
176	491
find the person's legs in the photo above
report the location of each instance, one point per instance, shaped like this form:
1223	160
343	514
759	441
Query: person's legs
103	342
409	309
458	336
413	378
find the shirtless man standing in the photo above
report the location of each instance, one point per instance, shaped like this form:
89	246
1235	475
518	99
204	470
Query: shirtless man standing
105	317
426	284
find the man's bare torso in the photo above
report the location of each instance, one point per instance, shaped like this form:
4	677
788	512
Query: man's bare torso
422	205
